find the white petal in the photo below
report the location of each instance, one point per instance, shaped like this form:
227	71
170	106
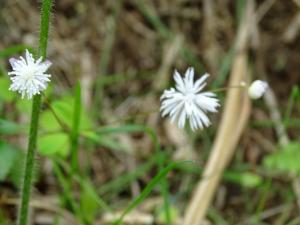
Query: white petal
188	107
29	58
167	108
168	93
179	82
177	108
39	60
201	117
208	94
207	103
199	84
14	63
189	78
44	66
181	120
193	123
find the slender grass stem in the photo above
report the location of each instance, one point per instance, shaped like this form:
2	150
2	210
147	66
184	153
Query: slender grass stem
30	157
227	88
74	136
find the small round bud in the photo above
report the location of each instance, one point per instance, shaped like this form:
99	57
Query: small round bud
257	89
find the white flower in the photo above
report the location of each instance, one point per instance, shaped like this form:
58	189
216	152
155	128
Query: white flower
257	89
28	76
186	101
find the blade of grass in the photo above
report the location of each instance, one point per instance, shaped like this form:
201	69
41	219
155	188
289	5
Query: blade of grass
295	221
240	8
118	184
160	158
64	183
262	201
81	181
295	94
74	136
216	217
148	189
164	186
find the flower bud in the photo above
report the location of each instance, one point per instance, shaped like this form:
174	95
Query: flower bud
257	89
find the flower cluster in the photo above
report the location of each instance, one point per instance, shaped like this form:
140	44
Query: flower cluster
28	76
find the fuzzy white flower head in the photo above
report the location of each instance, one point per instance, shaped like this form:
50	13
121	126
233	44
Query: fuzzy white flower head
257	89
28	76
187	102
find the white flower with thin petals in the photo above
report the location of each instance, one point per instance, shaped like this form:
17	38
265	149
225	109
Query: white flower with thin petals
257	89
187	102
28	76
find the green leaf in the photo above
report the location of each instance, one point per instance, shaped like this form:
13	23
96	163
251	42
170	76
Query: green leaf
8	155
13	50
148	189
5	94
48	122
161	215
246	179
285	160
89	202
54	144
64	110
9	127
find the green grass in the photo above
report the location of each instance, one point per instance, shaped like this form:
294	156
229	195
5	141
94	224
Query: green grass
160	157
74	134
148	189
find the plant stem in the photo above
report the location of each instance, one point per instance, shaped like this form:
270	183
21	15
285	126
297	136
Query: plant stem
29	165
227	88
44	27
63	125
30	157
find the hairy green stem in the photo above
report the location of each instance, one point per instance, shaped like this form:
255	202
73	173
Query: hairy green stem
30	157
44	27
29	165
